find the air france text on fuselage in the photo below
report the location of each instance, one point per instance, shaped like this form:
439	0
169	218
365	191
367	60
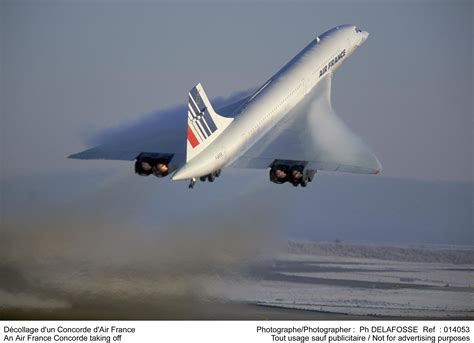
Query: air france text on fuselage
332	62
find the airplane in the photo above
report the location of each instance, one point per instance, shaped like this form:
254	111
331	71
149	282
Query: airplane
287	125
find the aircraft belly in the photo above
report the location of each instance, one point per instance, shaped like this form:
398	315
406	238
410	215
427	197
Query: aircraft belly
240	144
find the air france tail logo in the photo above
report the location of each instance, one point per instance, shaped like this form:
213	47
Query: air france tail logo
200	123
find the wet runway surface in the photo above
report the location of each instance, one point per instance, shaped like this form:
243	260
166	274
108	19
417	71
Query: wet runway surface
424	282
310	280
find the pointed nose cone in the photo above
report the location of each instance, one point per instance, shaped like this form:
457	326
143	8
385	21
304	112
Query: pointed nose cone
365	35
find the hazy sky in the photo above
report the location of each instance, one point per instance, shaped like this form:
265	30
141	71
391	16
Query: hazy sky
72	68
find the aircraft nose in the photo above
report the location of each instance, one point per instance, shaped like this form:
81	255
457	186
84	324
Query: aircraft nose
364	35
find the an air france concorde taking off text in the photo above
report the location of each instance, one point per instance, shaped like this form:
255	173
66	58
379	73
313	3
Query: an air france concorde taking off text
237	331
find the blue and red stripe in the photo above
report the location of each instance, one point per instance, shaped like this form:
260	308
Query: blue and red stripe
192	138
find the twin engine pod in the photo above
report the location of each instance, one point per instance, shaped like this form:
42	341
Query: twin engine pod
280	171
145	166
297	175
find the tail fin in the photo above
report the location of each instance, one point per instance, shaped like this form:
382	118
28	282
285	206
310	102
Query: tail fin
204	124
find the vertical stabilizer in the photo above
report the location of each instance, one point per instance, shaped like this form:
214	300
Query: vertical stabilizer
204	124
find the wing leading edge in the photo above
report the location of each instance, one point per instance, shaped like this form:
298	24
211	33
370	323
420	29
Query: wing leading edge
313	133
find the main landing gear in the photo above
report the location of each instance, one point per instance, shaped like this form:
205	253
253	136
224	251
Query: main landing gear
210	177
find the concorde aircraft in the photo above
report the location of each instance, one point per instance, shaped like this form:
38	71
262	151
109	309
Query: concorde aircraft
287	126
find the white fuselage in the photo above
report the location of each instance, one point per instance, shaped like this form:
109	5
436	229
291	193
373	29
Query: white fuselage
274	100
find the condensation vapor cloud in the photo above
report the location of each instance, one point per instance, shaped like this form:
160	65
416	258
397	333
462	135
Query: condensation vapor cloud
108	254
173	118
136	240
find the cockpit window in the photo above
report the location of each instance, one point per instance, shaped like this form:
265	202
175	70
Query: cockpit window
357	30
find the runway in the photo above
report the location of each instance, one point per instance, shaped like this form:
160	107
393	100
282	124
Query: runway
371	280
306	280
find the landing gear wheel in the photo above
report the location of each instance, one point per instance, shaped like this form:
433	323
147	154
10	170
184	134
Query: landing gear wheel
304	183
218	172
203	178
192	183
211	177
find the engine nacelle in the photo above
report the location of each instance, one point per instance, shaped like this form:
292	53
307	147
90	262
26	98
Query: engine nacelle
147	165
279	174
295	174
